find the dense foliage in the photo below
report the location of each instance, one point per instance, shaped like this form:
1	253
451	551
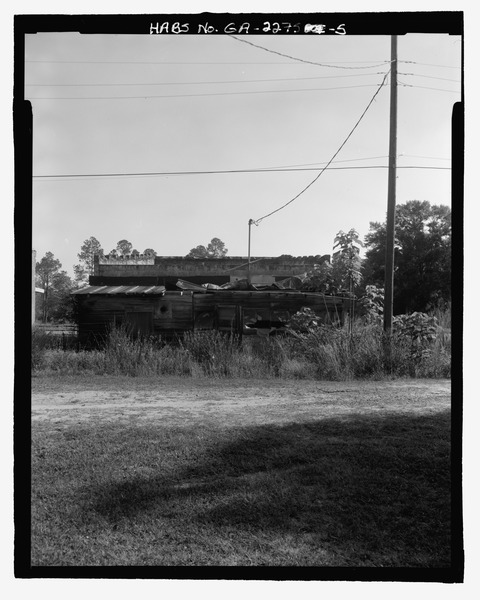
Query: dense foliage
55	303
422	256
343	274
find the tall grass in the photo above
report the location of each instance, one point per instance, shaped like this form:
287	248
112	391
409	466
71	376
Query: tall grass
43	341
419	347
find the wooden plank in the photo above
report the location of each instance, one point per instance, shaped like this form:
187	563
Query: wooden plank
180	310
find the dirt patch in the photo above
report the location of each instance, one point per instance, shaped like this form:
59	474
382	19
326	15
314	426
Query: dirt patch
187	401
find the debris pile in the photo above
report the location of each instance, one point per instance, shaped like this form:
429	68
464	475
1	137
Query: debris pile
298	283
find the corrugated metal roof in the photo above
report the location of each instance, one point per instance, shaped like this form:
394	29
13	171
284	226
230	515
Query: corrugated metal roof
134	290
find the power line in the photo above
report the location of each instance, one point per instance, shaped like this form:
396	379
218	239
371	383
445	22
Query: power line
423	87
203	82
136	62
145	96
318	163
413	62
162	83
331	160
226	171
302	60
418	156
430	77
277	168
258	169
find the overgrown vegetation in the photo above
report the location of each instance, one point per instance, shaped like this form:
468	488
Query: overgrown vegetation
423	240
420	347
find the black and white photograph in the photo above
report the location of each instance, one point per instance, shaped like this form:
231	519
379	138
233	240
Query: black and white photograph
242	312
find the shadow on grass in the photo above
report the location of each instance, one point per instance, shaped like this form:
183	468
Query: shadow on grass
370	489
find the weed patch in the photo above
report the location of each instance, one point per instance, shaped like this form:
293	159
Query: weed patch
418	347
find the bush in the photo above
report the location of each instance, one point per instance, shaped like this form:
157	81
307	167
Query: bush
370	305
304	320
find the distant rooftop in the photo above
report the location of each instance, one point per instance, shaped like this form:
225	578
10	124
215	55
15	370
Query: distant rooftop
152	259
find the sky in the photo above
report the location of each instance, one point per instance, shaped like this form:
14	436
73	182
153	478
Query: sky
120	123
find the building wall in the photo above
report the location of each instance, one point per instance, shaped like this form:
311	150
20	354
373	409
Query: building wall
97	313
262	270
184	311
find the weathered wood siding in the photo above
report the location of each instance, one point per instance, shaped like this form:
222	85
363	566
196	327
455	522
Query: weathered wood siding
169	313
173	312
266	306
182	311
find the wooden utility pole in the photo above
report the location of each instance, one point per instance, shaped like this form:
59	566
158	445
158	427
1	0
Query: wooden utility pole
392	176
249	276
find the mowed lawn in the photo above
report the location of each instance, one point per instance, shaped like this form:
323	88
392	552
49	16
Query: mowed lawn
317	474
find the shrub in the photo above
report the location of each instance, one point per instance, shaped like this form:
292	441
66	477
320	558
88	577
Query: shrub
303	320
370	305
415	334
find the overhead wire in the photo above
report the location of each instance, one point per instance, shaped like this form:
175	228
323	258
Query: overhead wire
146	96
430	77
414	62
204	82
259	169
264	169
419	156
424	87
302	60
131	62
257	221
226	171
318	163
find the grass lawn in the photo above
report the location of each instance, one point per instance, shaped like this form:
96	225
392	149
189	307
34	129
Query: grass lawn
336	477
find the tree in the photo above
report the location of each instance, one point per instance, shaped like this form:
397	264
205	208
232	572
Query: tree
149	252
45	270
422	256
61	303
346	262
215	249
124	247
88	250
343	273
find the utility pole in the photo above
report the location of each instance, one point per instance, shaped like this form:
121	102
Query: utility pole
250	223
392	176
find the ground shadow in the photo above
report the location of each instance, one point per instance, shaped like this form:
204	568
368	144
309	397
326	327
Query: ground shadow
372	485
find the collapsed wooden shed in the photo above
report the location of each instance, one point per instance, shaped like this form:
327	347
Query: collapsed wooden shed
152	310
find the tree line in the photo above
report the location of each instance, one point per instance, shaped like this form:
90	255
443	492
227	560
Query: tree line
421	277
